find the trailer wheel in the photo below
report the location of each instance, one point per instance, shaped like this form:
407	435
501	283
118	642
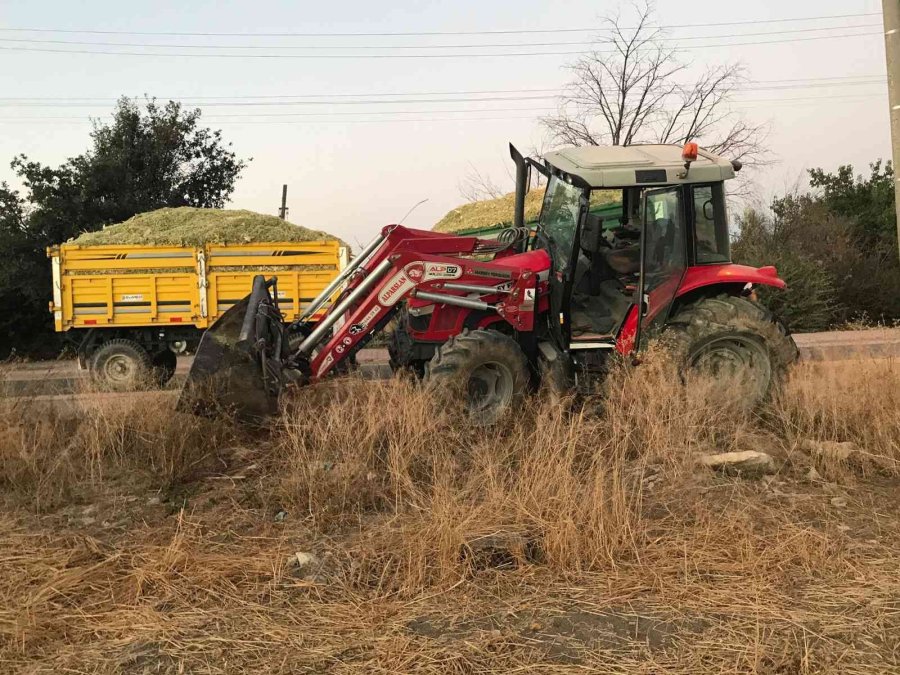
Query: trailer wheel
121	365
486	369
732	337
164	364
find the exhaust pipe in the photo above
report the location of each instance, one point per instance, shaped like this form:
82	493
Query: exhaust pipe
521	185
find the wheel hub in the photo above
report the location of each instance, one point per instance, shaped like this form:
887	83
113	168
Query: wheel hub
735	359
119	368
490	387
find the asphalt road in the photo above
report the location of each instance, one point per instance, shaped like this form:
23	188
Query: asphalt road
54	378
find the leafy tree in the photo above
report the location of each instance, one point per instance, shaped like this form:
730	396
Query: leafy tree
809	303
836	248
869	202
147	157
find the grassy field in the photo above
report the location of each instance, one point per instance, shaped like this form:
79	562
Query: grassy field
576	537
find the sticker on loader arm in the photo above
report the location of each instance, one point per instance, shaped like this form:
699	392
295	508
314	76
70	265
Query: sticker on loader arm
429	271
442	271
396	286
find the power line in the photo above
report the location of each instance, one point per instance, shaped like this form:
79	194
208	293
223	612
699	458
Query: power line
406	56
58	103
221	116
343	102
839	79
428	33
162	45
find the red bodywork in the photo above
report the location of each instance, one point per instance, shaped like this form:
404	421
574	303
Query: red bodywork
697	277
425	261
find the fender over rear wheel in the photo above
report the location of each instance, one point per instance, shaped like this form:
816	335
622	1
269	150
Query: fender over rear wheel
735	340
484	368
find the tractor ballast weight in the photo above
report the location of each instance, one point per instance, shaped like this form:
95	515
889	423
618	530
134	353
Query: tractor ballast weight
489	315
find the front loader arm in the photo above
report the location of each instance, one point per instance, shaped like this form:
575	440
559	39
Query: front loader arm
246	373
509	291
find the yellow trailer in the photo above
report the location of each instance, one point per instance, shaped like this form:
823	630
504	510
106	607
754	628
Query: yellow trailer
131	309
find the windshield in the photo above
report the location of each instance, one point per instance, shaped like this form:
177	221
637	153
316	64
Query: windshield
559	219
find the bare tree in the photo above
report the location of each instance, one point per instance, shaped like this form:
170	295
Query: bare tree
628	90
476	186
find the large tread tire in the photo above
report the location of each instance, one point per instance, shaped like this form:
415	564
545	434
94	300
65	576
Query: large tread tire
719	330
485	369
121	365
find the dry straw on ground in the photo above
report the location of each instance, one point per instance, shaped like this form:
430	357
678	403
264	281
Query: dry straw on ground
574	537
187	226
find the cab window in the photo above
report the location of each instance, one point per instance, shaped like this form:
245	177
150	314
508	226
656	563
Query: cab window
710	227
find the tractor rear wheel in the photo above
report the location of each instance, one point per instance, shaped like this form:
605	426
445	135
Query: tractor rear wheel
121	365
734	339
485	369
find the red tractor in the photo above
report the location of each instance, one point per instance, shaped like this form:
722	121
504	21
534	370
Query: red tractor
491	319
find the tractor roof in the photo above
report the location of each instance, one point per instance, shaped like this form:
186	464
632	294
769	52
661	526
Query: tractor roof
624	166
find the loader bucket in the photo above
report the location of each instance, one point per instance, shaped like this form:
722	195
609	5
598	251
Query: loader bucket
237	367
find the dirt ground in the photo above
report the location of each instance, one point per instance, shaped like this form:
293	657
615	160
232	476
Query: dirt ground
368	532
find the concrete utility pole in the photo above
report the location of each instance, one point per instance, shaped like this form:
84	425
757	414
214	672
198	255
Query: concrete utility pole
891	11
282	212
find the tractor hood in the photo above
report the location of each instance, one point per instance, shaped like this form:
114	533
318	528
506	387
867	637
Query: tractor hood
636	165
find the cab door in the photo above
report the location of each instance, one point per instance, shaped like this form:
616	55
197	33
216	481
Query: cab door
663	253
561	216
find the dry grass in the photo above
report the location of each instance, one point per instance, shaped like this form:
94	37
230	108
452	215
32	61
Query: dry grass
575	537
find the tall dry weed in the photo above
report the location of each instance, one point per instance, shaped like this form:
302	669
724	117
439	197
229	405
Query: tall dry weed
847	401
48	454
558	481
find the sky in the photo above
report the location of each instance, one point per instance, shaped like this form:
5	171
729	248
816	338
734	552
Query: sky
355	166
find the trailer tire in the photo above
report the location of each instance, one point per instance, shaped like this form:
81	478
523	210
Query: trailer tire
484	368
121	365
728	334
164	364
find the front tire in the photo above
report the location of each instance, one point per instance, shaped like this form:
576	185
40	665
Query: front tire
485	369
732	338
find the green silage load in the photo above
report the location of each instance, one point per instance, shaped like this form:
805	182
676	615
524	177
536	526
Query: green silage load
188	226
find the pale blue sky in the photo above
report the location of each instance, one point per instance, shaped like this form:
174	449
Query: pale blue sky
350	177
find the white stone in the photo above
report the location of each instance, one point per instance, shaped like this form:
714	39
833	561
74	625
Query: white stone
748	462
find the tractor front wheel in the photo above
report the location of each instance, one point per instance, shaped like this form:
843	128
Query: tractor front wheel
485	369
734	340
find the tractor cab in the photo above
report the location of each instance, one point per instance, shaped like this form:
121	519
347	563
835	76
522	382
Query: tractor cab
672	218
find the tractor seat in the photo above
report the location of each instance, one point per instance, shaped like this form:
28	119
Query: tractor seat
623	260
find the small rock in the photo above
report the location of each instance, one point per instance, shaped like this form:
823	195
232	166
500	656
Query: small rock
813	476
154	501
501	550
88	520
303	559
840	502
280	516
841	451
746	463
